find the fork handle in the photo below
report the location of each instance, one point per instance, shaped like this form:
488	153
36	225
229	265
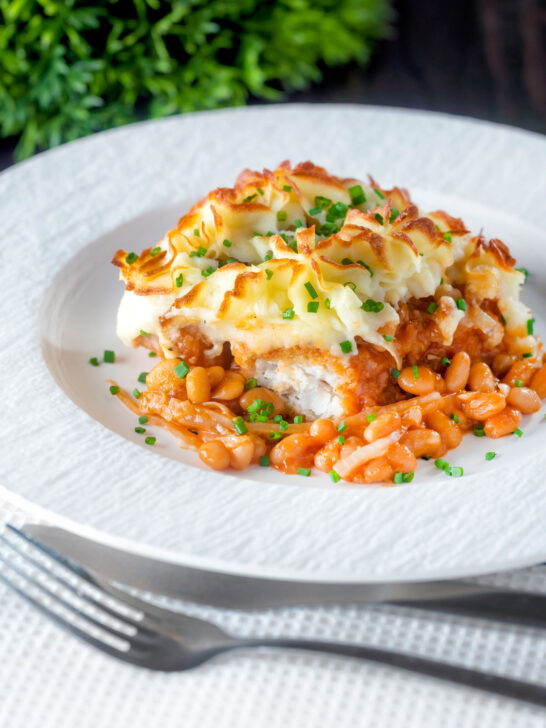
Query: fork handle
507	687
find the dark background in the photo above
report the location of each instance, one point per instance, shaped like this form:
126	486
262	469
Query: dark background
480	58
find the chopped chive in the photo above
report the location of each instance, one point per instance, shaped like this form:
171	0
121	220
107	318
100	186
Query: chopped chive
524	271
454	417
490	455
442	281
479	431
387	337
371	417
518	383
322	202
239	424
346	347
275	435
297	223
281	215
447	237
256	235
149	440
365	265
415	371
347	261
461	304
251	383
527	354
269	274
196	232
408	477
518	432
310	290
227	243
312	306
298	419
131	258
394	214
140	430
341	427
395	373
260	191
250	198
265	461
268	256
293	244
350	284
314	211
454	471
288	313
114	389
277	419
335	477
398	478
327	229
379	193
143	419
341	439
379	218
503	320
94	361
287	188
432	307
208	271
142	377
109	356
339	209
179	280
256	405
357	194
530	326
181	370
152	353
155	251
199	253
283	425
327	303
136	393
372	306
441	464
445	361
306	472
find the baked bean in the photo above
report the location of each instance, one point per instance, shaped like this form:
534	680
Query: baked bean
323	430
412	417
457	373
423	383
260	448
538	382
351	444
215	374
198	385
461	419
231	386
481	378
214	454
482	405
504	388
376	471
449	430
382	426
242	454
524	399
522	370
503	424
163	379
266	395
501	364
422	442
401	458
327	456
295	451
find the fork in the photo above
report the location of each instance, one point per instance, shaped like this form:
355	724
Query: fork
160	639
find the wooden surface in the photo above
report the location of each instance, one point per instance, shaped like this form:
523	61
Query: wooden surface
480	58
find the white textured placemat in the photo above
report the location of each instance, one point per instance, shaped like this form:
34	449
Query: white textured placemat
50	680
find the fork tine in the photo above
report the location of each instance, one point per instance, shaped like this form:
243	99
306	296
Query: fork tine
134	657
139	637
88	598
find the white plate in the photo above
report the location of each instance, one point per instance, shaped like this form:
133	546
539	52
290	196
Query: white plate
63	215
